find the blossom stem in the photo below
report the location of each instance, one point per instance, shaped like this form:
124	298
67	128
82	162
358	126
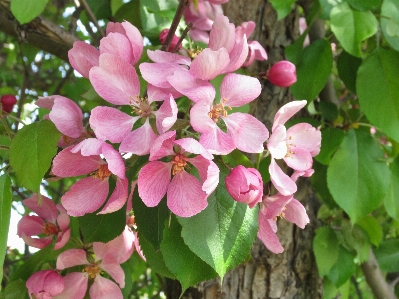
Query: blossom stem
183	36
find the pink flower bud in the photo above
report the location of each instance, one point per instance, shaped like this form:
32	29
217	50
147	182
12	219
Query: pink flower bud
45	284
282	74
175	40
8	101
245	185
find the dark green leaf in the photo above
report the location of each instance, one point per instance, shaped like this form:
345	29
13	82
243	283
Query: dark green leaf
31	152
330	141
100	8
328	110
357	178
264	169
364	5
378	90
5	212
26	10
343	268
347	66
391	200
387	255
326	249
319	183
130	12
390	22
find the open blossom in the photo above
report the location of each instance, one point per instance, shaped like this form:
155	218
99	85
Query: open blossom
245	185
186	194
45	284
51	221
89	193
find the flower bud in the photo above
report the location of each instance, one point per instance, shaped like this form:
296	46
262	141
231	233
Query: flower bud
282	74
45	284
8	101
175	40
245	185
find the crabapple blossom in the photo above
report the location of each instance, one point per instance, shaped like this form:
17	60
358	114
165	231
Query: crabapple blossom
51	220
282	73
186	194
175	40
7	102
45	284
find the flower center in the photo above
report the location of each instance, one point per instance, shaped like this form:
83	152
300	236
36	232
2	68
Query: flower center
141	106
102	172
92	270
179	162
218	111
192	53
50	229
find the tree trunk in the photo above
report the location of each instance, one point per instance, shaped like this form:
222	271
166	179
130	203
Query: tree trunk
293	273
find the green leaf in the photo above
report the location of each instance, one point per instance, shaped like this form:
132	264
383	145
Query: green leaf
328	110
31	152
283	7
26	10
391	200
330	141
16	290
100	8
319	183
115	5
222	235
356	238
103	227
387	255
326	249
236	158
390	22
264	169
130	12
5	214
378	90
352	27
150	221
313	70
372	228
327	6
357	178
181	261
364	5
348	66
343	268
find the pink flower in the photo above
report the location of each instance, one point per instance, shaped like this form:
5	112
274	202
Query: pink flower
245	185
282	74
186	195
45	284
7	102
47	222
89	194
175	40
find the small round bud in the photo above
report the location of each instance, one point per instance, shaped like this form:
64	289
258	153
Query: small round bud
8	101
282	74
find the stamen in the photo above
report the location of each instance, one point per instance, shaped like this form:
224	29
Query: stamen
179	162
50	229
218	111
102	173
140	106
92	270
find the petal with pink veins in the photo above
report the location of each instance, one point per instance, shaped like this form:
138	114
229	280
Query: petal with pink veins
161	94
208	171
62	239
239	90
209	64
114	269
30	225
162	56
298	159
163	146
248	133
166	115
46	210
103	288
157	73
275	205
199	118
115	80
304	136
286	112
85	196
276	144
83	57
193	146
237	56
139	141
282	182
268	235
222	34
296	213
153	182
104	120
115	161
118	45
185	197
71	258
136	40
75	286
89	147
39	243
118	197
217	142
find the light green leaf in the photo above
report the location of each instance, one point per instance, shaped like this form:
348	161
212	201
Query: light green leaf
283	7
352	27
26	10
357	178
378	90
222	235
5	213
390	22
343	268
326	249
181	261
372	228
391	200
327	6
31	152
313	70
364	5
387	255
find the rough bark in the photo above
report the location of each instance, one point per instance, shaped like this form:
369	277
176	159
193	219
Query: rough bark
292	274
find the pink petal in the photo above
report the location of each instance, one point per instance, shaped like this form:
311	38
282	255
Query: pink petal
199	118
46	210
115	80
118	197
166	115
89	147
276	144
85	196
104	120
193	146
237	56
136	40
208	171
37	243
75	286
162	56
239	90
118	45
275	205
296	213
113	268
115	161
304	136
83	57
62	239
268	235
162	146
222	34
63	219
139	141
208	64
30	225
161	94
282	182
217	142
248	133
45	102
153	182
71	258
157	73
298	159
286	112
46	283
185	196
103	288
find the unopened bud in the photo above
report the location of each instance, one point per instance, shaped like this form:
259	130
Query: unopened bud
175	40
282	74
7	102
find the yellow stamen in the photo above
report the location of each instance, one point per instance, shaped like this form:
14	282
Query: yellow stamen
50	229
92	270
218	111
179	162
102	172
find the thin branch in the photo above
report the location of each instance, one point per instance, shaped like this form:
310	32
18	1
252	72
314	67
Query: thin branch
63	81
183	36
92	17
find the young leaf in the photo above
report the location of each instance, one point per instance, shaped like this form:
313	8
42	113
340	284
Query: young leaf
31	152
357	178
5	212
390	22
181	261
378	90
326	249
26	10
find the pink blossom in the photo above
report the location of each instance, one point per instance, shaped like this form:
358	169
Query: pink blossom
7	102
45	284
90	193
282	73
175	40
186	194
245	185
51	220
